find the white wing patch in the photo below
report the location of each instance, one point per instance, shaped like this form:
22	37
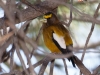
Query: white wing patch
60	40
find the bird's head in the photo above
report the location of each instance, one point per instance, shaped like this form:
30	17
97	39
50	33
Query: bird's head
51	18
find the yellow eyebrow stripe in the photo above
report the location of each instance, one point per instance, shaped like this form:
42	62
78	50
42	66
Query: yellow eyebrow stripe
47	16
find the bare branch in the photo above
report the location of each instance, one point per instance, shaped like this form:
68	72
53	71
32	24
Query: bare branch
51	67
19	55
96	70
82	68
65	65
4	38
92	28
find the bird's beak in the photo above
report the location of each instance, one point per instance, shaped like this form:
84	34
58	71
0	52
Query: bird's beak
43	20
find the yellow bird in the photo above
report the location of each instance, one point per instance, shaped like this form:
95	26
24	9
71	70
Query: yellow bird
56	36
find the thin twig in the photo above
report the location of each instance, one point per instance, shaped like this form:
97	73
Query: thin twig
65	65
44	65
26	51
19	55
51	67
70	20
4	38
35	65
3	48
91	31
11	58
37	38
90	34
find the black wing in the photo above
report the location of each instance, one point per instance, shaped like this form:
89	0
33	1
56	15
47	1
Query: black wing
65	51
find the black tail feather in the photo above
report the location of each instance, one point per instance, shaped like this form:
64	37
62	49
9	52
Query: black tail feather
72	58
65	51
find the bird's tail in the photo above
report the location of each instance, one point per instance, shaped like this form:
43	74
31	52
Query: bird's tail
72	58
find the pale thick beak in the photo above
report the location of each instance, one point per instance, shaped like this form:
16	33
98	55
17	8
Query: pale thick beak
43	20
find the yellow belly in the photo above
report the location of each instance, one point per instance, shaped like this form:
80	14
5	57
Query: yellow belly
50	45
49	42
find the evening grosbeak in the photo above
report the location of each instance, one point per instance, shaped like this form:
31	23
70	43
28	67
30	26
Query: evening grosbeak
56	36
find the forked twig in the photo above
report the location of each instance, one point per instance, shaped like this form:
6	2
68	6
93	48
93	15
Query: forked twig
44	65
